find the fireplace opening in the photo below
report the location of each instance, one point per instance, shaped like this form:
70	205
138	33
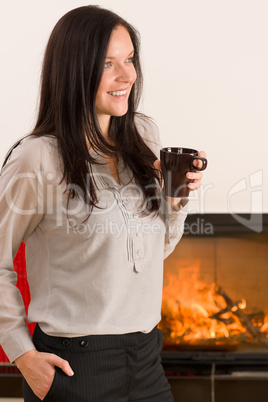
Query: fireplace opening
215	293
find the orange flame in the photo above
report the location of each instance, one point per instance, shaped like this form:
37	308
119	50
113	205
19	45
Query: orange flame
194	311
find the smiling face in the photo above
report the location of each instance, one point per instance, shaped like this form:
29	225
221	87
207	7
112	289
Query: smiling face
117	79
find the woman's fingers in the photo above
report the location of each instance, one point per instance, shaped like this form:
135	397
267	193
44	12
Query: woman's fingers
194	175
198	163
202	154
157	164
55	360
195	178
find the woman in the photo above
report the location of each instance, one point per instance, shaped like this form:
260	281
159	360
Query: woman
83	191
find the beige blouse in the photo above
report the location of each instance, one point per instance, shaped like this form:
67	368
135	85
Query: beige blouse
97	276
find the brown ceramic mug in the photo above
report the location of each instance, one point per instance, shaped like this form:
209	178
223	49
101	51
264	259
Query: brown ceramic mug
175	163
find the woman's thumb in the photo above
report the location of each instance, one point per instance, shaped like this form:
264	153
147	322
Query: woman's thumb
157	164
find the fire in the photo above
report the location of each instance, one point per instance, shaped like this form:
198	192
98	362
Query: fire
194	312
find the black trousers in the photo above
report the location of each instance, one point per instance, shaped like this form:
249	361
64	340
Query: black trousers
116	368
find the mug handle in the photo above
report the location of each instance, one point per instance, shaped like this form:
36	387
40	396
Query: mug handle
204	163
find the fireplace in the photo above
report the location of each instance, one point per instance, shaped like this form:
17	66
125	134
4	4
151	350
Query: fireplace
215	310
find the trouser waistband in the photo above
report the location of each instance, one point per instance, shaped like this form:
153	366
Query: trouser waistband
94	342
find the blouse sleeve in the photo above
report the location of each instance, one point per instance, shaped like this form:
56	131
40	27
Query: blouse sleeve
20	213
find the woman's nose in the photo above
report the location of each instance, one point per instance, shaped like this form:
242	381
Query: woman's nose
126	73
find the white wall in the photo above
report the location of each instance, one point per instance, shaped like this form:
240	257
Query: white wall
206	84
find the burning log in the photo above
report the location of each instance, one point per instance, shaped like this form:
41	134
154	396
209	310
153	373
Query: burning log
257	318
230	308
225	321
236	310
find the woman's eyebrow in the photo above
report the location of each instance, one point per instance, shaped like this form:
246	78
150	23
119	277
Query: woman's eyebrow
110	57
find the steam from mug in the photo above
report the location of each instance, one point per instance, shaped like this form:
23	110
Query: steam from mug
176	162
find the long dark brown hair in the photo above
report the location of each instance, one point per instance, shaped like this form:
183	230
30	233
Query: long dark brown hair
72	70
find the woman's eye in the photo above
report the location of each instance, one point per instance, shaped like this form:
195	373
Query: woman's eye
107	64
130	60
